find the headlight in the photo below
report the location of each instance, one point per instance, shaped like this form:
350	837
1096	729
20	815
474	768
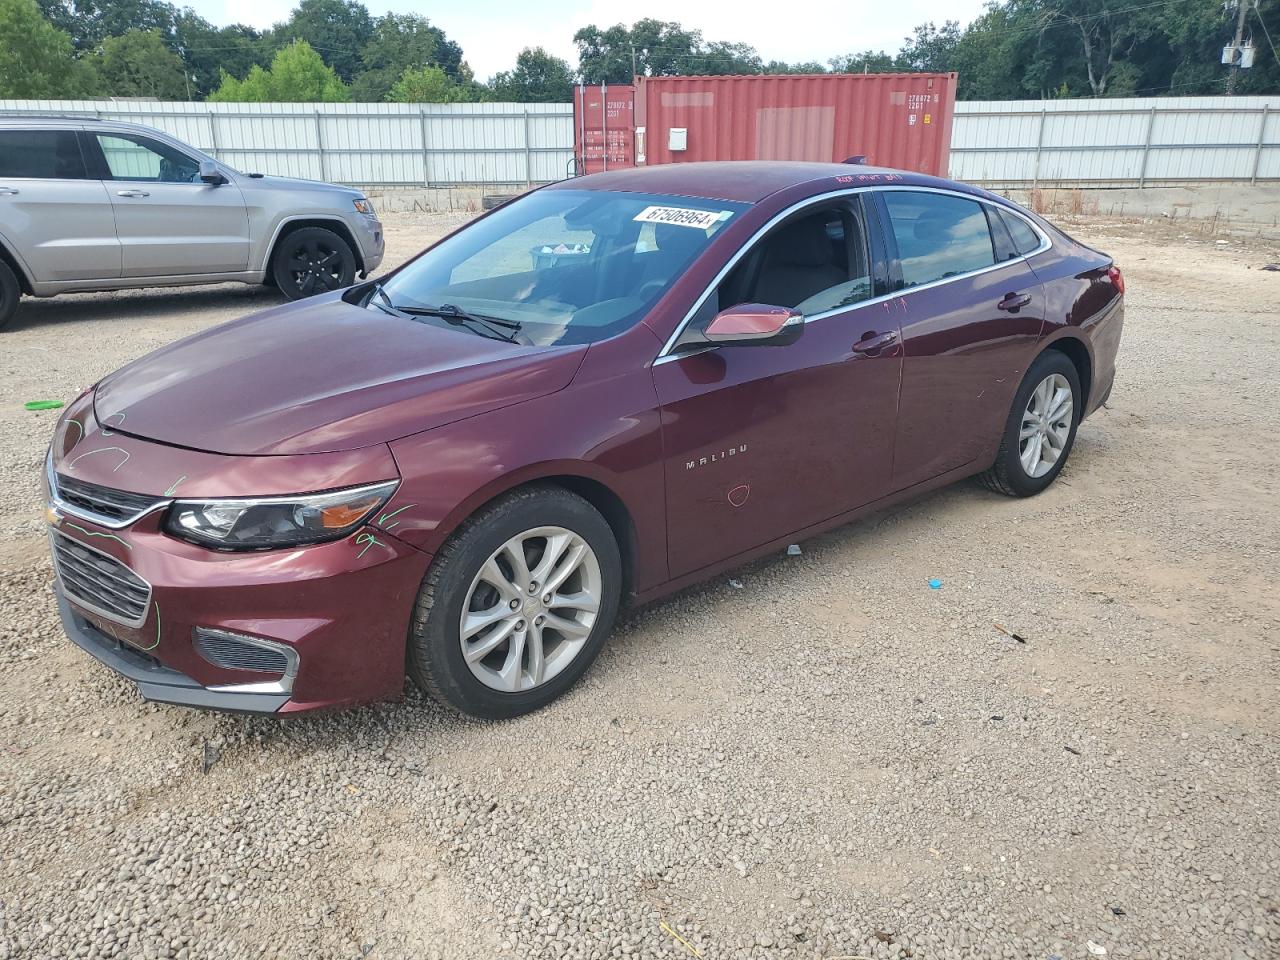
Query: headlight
364	206
264	522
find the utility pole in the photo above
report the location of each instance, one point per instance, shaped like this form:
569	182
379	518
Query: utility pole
633	62
1243	6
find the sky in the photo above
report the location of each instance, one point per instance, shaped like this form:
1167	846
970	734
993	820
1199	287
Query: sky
492	32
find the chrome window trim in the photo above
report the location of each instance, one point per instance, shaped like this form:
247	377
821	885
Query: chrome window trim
85	605
70	510
665	355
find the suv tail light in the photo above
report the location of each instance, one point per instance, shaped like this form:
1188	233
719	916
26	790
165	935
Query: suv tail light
1116	278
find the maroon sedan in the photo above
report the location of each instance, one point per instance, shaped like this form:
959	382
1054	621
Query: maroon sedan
600	392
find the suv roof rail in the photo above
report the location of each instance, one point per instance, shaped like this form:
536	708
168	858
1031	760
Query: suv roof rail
45	116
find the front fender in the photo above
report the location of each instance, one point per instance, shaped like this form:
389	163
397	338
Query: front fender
604	428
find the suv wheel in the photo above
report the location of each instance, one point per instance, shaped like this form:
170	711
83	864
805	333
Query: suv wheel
312	260
10	293
516	605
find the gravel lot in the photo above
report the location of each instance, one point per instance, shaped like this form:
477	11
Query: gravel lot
831	760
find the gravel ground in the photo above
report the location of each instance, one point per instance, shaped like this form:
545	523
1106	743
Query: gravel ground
829	760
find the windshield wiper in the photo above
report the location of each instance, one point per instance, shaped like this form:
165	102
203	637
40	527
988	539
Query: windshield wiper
386	305
494	327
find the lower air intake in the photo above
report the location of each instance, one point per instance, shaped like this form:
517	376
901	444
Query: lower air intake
234	651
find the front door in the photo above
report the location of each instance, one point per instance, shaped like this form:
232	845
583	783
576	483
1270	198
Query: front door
763	441
51	214
169	221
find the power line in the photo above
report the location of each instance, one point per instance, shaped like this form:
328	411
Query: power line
1257	9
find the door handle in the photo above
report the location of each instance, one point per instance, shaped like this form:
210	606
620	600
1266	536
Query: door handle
132	193
1013	302
872	342
9	192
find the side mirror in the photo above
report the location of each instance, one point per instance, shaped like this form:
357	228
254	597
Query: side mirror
756	324
210	173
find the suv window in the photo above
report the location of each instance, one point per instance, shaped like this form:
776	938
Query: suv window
938	235
41	154
131	157
1025	240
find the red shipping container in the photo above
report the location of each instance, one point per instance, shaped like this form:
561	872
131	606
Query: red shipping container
603	122
900	120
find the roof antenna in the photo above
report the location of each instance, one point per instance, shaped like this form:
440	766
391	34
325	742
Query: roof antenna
860	158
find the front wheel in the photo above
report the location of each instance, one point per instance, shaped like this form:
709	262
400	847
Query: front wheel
516	605
312	260
10	294
1040	430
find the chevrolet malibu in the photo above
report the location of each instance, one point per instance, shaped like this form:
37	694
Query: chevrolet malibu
598	393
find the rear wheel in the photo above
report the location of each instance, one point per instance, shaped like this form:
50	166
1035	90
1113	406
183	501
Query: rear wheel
517	605
1041	428
10	294
312	260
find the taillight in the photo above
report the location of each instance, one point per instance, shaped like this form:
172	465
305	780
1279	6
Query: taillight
1116	278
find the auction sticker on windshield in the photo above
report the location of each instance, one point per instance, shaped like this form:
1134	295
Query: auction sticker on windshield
683	216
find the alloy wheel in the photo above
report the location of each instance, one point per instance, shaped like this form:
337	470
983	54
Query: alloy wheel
530	609
1046	425
315	268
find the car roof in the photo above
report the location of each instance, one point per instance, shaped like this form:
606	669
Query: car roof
746	181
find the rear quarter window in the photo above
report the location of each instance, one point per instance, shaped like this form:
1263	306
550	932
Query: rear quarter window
41	155
1025	239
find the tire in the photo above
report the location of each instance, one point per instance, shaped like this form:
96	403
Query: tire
1009	474
10	294
500	684
312	260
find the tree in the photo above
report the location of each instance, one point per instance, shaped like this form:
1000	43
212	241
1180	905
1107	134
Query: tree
778	66
138	64
89	22
425	85
538	77
337	29
659	49
930	49
36	57
297	75
207	50
868	61
399	42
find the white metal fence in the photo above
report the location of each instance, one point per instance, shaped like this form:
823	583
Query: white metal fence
370	144
1122	142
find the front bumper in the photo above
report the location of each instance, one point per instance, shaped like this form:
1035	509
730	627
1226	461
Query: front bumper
156	681
373	244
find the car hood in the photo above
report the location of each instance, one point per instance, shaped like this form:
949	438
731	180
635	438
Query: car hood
268	182
319	376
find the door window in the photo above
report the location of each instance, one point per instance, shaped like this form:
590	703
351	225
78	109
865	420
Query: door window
938	235
1025	240
130	157
41	154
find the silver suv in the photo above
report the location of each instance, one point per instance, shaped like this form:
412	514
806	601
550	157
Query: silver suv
101	205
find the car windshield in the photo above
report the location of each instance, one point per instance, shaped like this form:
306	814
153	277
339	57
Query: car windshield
558	266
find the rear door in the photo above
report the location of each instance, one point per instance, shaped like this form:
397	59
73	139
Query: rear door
169	221
972	311
56	219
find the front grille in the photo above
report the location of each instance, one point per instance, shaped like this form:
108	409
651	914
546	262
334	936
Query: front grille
118	506
234	652
100	583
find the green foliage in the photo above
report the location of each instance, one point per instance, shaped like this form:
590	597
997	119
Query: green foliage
36	57
138	64
337	29
207	50
400	42
297	75
433	85
538	77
